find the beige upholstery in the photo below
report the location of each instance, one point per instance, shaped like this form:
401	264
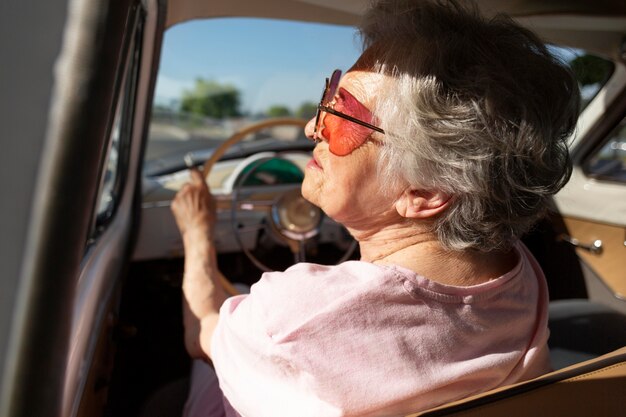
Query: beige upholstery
592	388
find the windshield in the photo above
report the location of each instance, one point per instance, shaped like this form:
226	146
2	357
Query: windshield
219	75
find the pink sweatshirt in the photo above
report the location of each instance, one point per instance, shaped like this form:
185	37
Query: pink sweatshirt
359	339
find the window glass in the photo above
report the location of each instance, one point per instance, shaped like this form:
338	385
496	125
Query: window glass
117	154
609	162
218	75
106	201
591	71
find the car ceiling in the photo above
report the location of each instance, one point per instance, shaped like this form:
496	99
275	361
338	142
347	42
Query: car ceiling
598	25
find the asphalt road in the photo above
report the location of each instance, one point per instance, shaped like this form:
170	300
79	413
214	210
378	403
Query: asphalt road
166	140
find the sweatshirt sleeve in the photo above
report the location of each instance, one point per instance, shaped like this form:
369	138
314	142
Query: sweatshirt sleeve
257	368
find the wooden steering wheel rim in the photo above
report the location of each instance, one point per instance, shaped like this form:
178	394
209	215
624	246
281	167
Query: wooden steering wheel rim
239	135
235	138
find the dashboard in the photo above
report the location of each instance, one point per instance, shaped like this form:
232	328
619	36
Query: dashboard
246	190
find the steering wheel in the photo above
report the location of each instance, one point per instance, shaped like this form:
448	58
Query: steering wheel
293	219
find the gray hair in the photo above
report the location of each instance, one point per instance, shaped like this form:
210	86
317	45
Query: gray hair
478	108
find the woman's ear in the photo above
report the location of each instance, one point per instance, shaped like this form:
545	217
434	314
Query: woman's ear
421	204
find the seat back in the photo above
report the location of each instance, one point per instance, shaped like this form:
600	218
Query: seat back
581	330
593	388
584	383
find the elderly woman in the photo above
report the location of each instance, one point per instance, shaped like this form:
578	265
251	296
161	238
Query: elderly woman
437	150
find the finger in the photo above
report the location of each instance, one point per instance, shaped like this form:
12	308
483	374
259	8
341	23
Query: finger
196	176
184	191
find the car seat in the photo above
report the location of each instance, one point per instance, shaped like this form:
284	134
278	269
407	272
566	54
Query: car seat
580	330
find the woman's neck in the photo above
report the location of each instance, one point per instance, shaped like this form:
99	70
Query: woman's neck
420	251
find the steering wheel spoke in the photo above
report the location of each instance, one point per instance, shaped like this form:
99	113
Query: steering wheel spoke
300	256
255	205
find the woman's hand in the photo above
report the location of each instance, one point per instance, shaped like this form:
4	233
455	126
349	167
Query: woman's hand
194	207
194	211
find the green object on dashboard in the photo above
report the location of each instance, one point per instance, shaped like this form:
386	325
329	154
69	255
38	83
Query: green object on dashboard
271	172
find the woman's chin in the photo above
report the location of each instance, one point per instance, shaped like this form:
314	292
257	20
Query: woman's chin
310	192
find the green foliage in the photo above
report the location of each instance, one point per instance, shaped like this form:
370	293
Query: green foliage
591	69
160	107
306	110
211	99
278	111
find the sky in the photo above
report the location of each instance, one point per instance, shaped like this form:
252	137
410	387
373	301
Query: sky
271	62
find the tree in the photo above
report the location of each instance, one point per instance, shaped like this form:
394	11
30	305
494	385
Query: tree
590	69
278	111
211	99
306	110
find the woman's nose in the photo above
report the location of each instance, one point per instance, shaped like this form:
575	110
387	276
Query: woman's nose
309	129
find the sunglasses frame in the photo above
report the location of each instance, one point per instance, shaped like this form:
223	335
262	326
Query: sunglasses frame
322	107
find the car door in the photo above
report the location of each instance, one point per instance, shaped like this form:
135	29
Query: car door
593	204
70	233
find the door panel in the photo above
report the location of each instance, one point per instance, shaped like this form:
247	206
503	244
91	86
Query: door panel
593	203
609	263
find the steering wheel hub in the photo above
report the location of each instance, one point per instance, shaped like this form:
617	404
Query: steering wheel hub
296	218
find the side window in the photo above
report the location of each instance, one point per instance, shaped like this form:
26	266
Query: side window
609	162
591	71
116	158
108	191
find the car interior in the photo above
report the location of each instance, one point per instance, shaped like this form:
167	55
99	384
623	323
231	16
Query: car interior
128	77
